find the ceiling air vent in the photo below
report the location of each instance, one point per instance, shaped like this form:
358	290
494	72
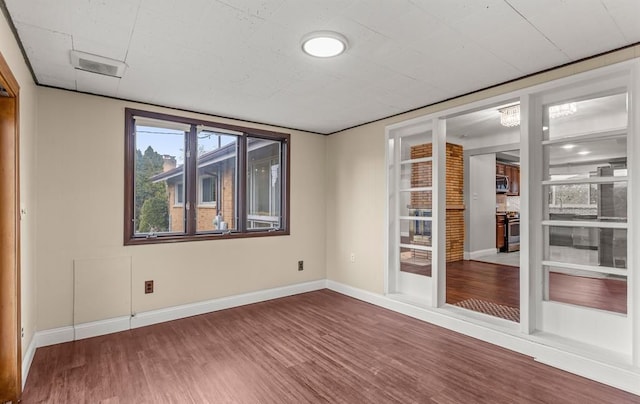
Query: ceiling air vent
97	64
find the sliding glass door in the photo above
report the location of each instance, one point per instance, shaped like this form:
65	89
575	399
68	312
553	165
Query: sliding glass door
411	191
585	210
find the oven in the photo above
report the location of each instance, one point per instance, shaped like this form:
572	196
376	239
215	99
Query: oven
512	233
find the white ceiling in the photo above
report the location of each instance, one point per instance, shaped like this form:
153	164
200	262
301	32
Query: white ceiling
242	58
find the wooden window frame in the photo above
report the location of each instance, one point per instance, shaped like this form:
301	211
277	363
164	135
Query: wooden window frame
191	195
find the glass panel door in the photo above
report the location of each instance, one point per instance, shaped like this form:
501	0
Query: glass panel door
585	219
410	214
583	266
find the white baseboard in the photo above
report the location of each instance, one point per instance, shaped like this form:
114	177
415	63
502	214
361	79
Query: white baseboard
482	253
621	376
54	336
194	309
27	359
102	327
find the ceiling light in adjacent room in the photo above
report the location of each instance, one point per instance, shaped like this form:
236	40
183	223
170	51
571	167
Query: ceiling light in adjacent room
584	152
324	44
558	111
568	146
510	116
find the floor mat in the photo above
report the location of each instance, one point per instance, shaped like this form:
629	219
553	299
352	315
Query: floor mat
493	309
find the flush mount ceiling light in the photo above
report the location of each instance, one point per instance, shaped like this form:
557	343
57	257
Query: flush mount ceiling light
324	44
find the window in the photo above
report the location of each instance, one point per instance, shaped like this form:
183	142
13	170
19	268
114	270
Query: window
179	194
208	192
264	185
188	179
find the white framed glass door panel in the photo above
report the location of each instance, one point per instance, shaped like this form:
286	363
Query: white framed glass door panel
410	186
585	210
593	327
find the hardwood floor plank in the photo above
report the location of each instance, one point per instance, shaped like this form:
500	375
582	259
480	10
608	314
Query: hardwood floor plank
318	347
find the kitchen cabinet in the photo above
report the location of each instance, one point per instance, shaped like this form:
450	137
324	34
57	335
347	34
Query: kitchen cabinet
500	231
514	180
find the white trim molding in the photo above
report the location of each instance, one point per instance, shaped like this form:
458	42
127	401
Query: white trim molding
27	359
54	336
482	253
108	326
102	327
194	309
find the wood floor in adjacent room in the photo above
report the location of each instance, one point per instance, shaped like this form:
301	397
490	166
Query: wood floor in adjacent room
318	347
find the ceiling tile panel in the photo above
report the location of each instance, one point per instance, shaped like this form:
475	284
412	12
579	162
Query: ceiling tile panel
574	39
96	83
626	15
242	58
46	46
505	41
55	16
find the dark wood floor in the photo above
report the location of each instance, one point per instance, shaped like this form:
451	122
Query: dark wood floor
319	347
501	284
482	280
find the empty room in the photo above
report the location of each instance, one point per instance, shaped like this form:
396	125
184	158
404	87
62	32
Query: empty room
338	201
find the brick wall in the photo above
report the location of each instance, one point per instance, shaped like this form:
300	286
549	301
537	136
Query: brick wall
228	193
205	215
176	215
421	176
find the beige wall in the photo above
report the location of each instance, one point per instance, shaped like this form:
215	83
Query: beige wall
80	214
338	206
356	182
13	56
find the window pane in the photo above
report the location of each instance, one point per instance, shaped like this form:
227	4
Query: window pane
584	288
596	158
416	232
414	175
576	117
216	182
588	246
159	160
588	202
415	203
415	146
264	190
415	261
179	193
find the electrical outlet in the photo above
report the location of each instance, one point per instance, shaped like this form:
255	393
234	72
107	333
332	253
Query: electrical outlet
22	332
148	287
300	265
352	258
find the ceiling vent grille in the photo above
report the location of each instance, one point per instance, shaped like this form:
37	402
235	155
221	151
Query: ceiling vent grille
97	64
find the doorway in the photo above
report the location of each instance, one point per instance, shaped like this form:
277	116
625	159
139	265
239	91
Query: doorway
483	210
10	333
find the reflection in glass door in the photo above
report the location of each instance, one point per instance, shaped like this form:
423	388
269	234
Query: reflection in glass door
410	215
586	214
585	217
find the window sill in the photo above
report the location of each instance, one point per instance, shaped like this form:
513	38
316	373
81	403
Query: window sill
162	239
